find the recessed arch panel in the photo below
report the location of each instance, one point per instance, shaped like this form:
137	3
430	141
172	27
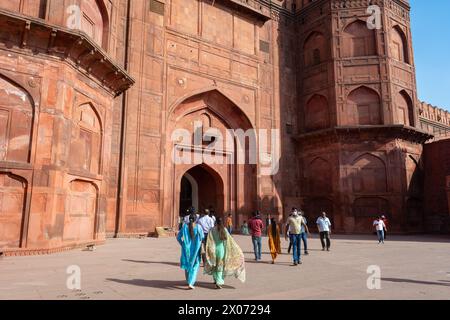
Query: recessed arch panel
81	211
16	122
363	107
369	174
315	49
317	114
399	45
320	172
12	204
86	142
358	40
405	109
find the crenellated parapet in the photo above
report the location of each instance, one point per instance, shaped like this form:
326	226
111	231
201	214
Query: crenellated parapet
434	120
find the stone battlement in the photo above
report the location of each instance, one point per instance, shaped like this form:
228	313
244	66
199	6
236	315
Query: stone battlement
432	113
434	120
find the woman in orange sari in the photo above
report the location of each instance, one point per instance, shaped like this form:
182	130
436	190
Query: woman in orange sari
274	240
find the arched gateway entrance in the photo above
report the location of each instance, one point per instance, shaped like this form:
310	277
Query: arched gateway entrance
208	174
201	188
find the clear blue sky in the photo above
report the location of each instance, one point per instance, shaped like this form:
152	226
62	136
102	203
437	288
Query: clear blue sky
430	23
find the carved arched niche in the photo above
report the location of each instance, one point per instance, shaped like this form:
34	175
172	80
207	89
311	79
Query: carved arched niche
86	141
315	49
363	107
16	122
317	114
358	40
369	174
399	45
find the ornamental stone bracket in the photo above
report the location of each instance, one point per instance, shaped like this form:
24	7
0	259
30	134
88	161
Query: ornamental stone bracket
369	132
22	33
253	7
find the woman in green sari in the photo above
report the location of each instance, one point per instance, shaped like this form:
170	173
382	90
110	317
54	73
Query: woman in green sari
223	256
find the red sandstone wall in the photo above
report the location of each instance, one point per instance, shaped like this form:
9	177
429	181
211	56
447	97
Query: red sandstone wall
55	137
35	8
190	49
437	197
448	192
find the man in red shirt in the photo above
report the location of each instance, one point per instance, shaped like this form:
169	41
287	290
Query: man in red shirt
256	226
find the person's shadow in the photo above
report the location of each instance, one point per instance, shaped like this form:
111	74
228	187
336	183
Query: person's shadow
167	284
251	252
175	264
268	262
441	283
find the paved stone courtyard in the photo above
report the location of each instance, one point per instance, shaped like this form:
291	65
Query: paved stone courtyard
412	267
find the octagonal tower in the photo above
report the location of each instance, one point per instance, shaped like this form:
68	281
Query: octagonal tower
359	143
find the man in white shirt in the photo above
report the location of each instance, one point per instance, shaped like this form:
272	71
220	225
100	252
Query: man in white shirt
212	213
206	223
324	226
288	230
380	226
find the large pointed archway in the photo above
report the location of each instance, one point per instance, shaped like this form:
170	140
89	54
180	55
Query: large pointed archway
223	183
202	188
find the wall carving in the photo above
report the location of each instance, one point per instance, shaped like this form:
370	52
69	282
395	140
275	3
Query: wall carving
12	203
86	141
317	113
320	176
369	174
80	217
16	122
363	107
358	40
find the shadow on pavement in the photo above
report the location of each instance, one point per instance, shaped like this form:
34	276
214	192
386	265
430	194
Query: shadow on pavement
284	251
268	262
175	264
392	237
166	284
251	252
417	281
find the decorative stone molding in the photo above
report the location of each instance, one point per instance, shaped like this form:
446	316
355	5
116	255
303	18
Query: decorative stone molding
266	9
35	36
44	251
375	132
254	7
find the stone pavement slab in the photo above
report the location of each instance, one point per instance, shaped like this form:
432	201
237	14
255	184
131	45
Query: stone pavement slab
412	267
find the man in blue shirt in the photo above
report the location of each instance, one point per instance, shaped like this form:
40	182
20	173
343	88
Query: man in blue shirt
324	226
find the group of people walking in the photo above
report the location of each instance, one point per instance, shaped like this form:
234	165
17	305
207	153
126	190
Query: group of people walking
296	229
204	238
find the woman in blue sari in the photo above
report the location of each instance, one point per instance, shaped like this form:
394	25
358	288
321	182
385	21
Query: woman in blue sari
190	238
